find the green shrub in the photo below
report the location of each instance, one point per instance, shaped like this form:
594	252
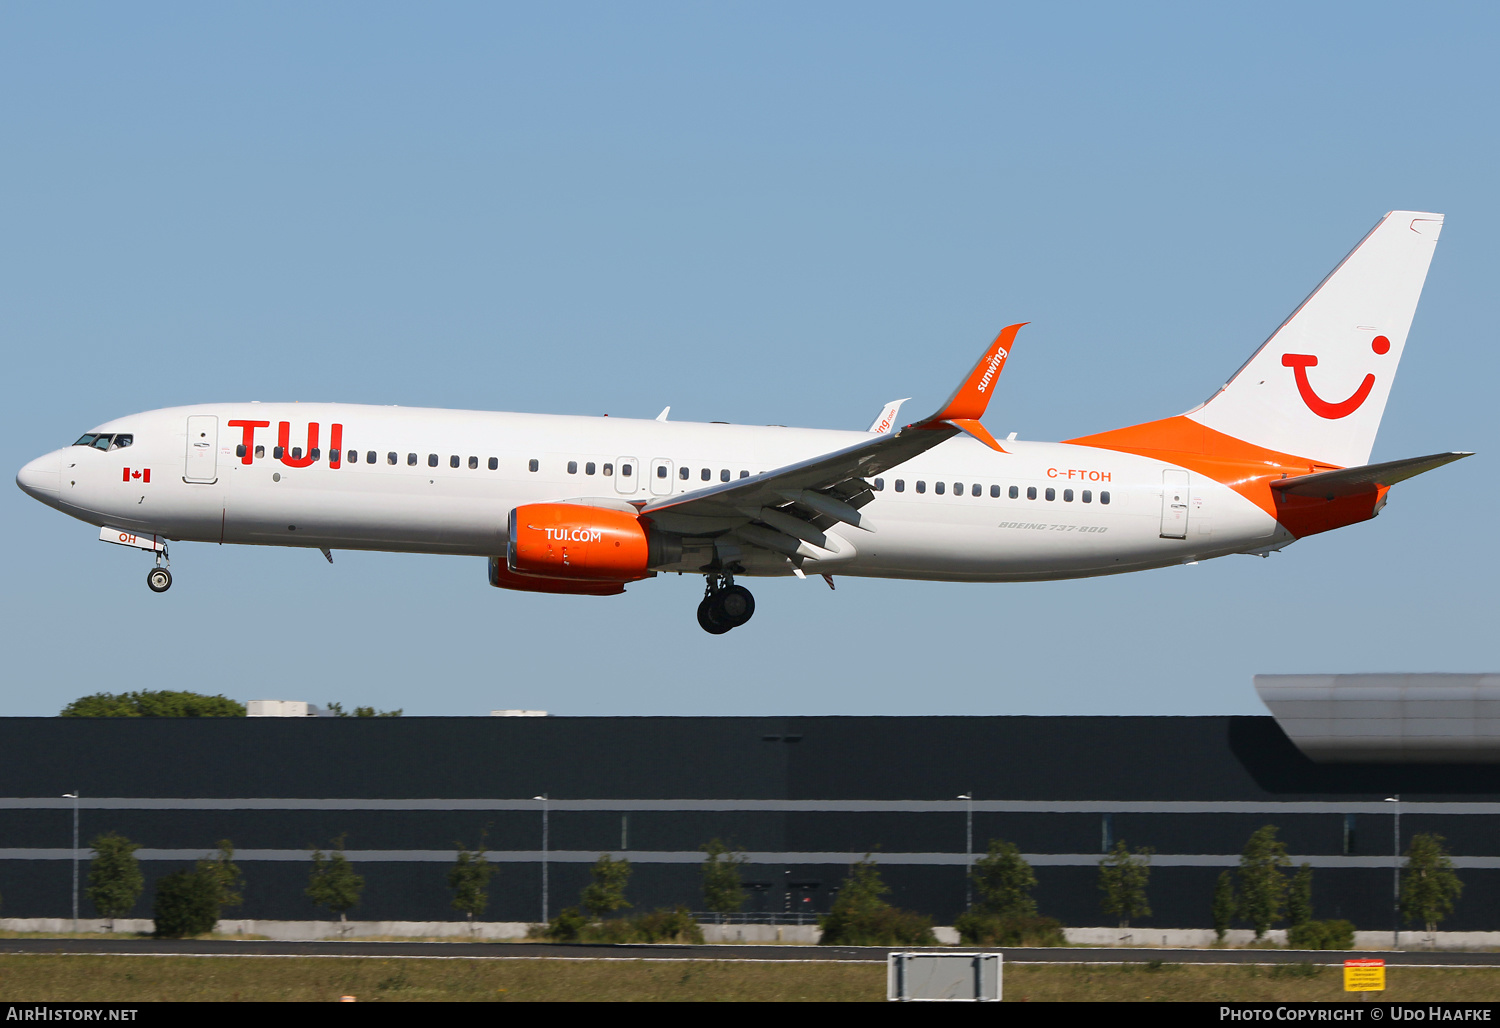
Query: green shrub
186	904
662	925
1321	935
977	928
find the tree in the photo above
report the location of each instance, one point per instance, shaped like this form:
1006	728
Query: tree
1262	886
225	876
115	879
722	892
1004	881
1122	879
861	917
1429	885
337	710
1225	904
606	893
469	880
333	883
153	703
1299	908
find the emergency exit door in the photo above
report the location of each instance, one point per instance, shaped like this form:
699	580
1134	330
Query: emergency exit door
1174	504
201	464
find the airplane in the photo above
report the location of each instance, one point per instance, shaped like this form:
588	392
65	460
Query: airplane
587	505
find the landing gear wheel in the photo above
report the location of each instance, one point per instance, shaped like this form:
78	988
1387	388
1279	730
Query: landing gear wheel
159	580
710	619
735	605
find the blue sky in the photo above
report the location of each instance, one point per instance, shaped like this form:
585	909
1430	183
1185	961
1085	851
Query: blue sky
752	212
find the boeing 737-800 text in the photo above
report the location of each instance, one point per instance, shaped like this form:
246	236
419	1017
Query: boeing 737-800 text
586	505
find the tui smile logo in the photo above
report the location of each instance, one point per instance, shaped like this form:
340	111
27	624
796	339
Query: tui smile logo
1300	362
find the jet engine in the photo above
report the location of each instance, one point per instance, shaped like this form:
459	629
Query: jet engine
577	542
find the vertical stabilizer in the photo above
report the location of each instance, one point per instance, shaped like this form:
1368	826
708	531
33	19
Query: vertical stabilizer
1317	388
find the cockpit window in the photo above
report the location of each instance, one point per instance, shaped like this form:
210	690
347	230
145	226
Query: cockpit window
105	441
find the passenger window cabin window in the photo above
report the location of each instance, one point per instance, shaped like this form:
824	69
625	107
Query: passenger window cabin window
977	490
533	464
1067	496
683	473
958	488
352	456
590	468
411	460
661	471
938	487
994	492
572	467
1031	492
1051	494
453	460
314	453
608	470
706	474
1088	496
625	470
390	458
239	451
744	474
494	463
473	463
921	486
1104	496
432	460
260	451
277	453
369	456
724	475
900	485
333	455
296	453
879	485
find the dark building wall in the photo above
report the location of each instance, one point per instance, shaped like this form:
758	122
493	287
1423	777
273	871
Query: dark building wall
688	767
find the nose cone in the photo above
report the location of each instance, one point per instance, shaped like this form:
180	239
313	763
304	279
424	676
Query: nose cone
41	478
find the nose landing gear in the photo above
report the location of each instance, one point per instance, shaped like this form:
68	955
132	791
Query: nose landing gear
725	605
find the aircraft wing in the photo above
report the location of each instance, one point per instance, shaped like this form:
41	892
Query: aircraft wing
796	501
1363	479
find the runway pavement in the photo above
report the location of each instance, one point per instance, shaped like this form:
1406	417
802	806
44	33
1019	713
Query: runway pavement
512	950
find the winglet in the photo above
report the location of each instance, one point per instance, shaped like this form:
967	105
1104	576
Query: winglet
887	419
969	401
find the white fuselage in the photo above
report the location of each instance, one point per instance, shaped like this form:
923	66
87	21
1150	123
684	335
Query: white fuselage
412	498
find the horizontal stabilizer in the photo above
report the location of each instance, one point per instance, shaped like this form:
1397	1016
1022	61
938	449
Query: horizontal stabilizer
1363	479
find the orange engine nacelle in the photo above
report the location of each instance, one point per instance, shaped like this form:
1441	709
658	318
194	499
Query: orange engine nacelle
578	543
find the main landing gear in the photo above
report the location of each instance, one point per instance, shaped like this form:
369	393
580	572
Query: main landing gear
725	605
159	578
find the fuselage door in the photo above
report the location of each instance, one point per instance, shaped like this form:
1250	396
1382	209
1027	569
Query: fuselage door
201	464
661	476
1174	504
627	475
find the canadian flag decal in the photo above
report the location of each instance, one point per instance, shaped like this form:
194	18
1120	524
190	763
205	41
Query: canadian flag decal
139	474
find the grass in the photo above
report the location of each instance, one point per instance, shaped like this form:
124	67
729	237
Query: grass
88	978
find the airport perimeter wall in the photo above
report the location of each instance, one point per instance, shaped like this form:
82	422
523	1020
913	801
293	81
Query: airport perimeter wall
802	796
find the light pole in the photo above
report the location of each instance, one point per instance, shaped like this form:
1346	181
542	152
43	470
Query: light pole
1396	874
74	797
543	799
968	799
